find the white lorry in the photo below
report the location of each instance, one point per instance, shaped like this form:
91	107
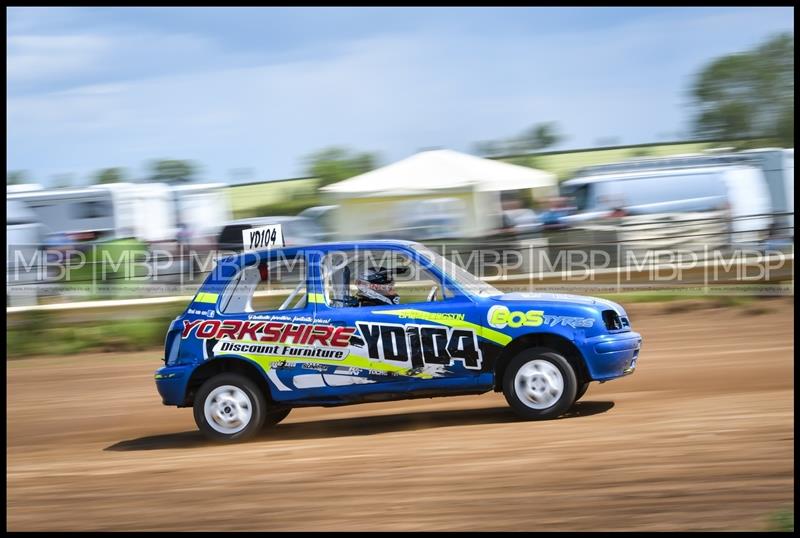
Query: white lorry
678	185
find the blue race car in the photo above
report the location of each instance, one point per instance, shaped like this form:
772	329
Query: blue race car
355	322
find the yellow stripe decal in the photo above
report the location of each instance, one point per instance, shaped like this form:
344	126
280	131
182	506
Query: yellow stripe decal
355	361
316	298
489	334
203	297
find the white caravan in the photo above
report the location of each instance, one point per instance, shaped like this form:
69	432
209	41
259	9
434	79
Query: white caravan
104	212
202	209
24	237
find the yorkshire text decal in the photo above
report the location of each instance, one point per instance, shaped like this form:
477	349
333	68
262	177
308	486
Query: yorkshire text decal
263	331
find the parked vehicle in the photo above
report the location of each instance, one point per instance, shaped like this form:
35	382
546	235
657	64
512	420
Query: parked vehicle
522	222
426	227
201	210
354	322
324	218
778	167
23	187
428	219
24	239
739	188
103	212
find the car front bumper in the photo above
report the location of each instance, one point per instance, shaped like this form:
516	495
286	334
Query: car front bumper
610	356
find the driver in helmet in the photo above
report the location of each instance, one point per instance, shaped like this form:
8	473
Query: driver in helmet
376	288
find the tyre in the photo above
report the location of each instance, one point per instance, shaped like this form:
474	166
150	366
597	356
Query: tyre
581	391
275	415
229	407
539	384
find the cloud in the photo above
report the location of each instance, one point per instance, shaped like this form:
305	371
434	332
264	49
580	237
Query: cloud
35	58
184	96
38	63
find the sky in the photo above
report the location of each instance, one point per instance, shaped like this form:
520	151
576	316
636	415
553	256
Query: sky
249	93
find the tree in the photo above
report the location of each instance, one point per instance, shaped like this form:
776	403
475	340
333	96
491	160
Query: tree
335	164
173	171
605	141
748	94
110	175
540	137
489	148
16	177
536	138
63	181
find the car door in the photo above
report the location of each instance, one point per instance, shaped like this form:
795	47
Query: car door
421	342
265	316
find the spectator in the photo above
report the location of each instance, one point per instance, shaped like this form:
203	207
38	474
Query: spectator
557	208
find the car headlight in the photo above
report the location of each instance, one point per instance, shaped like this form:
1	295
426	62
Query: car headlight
612	321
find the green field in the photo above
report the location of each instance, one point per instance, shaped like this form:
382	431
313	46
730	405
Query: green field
273	198
289	197
565	164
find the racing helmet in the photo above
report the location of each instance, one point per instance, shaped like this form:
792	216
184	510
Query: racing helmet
376	284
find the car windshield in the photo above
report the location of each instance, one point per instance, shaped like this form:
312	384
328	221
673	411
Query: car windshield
465	280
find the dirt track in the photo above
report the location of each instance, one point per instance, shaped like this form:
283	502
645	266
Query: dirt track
700	437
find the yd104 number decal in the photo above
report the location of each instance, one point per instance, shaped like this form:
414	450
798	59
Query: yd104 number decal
420	345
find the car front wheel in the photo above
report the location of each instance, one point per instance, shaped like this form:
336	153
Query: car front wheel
539	384
229	407
274	416
581	391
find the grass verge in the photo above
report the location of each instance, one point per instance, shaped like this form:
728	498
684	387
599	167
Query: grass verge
50	333
38	335
782	521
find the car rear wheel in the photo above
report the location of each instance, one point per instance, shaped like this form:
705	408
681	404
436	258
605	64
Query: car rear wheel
539	384
229	407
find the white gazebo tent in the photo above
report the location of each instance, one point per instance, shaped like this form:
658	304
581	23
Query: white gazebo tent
461	190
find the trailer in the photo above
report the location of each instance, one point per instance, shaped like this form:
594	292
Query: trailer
103	212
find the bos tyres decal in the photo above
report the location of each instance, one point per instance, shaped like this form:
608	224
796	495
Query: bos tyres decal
421	345
500	317
264	331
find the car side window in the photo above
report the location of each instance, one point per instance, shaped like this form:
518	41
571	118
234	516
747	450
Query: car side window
377	277
267	286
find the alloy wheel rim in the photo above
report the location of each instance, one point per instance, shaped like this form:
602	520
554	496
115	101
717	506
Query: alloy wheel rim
228	409
539	384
